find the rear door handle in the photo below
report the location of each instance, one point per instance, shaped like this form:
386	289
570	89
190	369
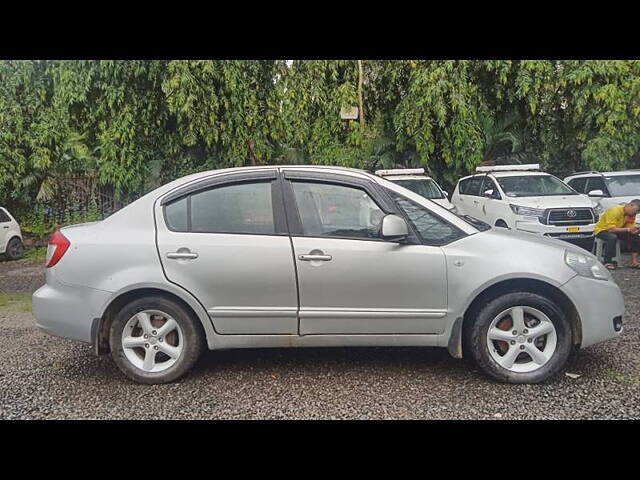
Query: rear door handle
311	257
182	255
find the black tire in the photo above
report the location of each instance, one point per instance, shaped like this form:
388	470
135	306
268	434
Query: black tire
501	224
193	338
476	337
15	249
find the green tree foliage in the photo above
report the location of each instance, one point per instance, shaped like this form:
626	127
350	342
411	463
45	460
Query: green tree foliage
135	124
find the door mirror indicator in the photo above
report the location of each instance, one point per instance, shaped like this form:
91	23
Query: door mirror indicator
393	228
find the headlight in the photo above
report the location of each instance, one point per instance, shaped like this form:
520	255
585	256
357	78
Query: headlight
598	209
585	266
527	211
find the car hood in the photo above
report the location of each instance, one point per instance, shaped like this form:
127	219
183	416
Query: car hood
555	201
526	239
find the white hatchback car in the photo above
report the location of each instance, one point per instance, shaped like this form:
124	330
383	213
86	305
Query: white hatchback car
415	180
521	197
608	189
10	236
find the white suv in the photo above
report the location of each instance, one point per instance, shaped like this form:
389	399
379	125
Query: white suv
608	189
415	180
10	236
523	198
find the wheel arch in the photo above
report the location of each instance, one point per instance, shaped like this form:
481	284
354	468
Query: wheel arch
528	285
500	220
101	326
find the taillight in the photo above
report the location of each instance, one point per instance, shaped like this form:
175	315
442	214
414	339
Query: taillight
58	245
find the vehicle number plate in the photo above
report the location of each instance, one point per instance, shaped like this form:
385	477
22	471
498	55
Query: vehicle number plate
573	229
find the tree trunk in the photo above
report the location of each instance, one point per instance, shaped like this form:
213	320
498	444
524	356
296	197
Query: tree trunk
251	144
360	99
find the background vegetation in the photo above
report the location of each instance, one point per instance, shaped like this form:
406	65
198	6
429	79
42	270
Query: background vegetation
132	125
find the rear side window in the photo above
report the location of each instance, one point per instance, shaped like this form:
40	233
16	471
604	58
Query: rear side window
471	186
3	216
578	184
337	210
236	208
176	215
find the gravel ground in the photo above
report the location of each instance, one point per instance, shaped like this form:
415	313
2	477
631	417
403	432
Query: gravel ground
46	377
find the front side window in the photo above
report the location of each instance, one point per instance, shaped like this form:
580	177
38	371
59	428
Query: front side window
534	186
432	229
336	210
424	187
623	185
490	185
236	208
578	184
473	186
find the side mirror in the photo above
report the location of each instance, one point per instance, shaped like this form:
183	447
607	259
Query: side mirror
596	193
488	193
446	194
394	228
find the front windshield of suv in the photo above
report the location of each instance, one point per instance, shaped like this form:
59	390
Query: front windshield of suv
623	185
534	186
422	186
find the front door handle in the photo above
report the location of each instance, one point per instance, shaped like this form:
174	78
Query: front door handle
182	255
315	257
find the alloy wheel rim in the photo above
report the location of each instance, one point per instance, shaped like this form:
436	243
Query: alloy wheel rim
522	339
15	248
152	341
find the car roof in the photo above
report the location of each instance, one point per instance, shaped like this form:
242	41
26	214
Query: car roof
506	174
608	174
407	177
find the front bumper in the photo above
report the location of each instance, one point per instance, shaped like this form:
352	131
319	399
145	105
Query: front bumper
598	303
67	311
564	232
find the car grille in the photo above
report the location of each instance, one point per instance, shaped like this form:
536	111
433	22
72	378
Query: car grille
570	216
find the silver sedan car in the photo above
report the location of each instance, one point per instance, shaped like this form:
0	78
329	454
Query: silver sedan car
302	256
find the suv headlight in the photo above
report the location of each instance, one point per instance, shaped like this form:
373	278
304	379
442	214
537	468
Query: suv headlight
527	211
599	210
585	266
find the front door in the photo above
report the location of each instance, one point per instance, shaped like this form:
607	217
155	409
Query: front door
350	280
227	244
5	224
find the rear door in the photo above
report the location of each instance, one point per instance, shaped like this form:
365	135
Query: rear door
225	241
5	224
350	280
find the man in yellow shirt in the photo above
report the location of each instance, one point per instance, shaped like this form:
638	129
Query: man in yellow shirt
618	223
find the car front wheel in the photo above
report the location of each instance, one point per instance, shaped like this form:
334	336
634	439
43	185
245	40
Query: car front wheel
521	337
15	249
155	340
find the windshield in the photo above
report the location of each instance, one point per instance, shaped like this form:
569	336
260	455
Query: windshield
534	186
423	186
623	185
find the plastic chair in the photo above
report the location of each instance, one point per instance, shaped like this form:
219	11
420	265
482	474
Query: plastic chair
598	250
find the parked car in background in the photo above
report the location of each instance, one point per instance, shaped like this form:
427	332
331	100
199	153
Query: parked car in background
305	256
10	236
521	197
415	180
607	189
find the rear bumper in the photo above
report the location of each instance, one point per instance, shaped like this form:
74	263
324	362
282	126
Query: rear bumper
598	304
66	311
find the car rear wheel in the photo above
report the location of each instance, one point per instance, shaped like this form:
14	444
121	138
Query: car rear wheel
521	337
155	340
15	249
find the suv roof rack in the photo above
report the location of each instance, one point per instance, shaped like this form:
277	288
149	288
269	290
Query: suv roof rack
400	171
509	168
